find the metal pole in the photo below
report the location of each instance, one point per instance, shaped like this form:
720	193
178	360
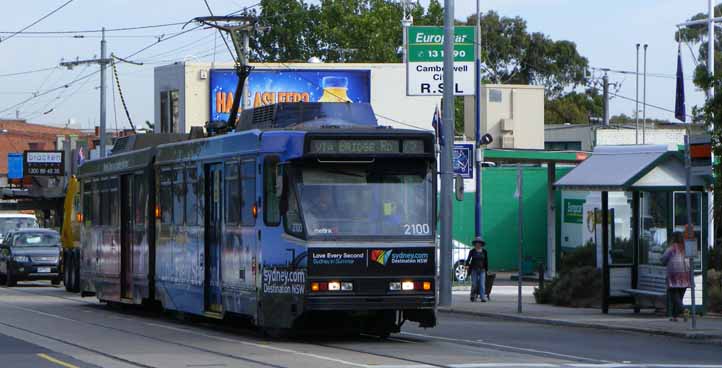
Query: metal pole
710	94
605	92
636	103
477	120
520	199
445	157
644	99
102	94
688	168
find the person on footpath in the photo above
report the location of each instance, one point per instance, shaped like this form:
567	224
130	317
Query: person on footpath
677	274
478	264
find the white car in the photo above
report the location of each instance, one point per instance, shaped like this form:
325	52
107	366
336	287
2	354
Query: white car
458	259
10	221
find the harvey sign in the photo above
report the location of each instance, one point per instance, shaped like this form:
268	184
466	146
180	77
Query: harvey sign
425	61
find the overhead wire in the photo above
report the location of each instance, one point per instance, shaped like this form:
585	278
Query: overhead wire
37	21
29	71
100	30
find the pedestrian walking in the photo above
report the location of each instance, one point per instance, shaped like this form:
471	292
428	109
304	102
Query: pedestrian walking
478	264
677	274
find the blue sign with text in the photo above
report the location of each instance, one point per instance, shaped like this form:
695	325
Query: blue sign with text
15	165
463	157
267	87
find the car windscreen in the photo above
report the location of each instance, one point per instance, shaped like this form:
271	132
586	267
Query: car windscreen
366	201
36	240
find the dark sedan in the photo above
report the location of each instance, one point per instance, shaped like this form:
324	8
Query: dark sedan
30	254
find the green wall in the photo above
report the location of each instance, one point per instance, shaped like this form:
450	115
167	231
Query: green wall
501	215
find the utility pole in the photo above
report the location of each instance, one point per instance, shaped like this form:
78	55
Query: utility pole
605	95
636	102
644	99
479	223
103	62
445	157
406	22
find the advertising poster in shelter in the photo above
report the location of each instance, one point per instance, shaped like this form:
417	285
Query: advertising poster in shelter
267	87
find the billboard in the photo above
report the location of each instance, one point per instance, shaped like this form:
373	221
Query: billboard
44	163
15	165
266	87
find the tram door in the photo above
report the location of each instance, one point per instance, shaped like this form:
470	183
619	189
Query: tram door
214	226
127	209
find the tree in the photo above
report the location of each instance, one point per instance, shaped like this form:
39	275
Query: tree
698	34
510	54
574	108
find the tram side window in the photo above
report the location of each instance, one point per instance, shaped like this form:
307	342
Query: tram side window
140	193
87	202
166	196
113	218
178	197
271	212
104	202
248	192
96	202
192	212
233	193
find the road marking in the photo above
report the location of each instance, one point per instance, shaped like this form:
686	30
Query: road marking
535	351
56	361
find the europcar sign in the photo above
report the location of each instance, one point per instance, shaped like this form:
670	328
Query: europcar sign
267	87
425	61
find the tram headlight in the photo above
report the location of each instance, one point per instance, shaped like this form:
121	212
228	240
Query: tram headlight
334	286
394	286
347	286
407	285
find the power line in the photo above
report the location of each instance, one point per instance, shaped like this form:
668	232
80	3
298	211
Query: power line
38	21
29	71
648	104
98	30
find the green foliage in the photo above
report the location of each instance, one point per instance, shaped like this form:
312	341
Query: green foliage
714	290
579	257
580	287
574	108
698	34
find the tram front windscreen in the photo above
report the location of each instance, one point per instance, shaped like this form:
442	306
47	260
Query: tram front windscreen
352	201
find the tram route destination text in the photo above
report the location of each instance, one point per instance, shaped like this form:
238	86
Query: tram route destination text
337	258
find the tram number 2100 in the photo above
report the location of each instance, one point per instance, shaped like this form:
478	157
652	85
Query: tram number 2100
417	229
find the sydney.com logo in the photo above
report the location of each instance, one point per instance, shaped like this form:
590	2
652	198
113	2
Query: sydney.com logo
380	256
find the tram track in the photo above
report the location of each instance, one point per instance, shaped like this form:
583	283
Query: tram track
206	326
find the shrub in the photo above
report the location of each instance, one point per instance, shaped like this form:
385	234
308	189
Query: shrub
585	255
714	290
578	287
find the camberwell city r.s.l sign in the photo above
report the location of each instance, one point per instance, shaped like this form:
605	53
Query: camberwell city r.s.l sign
425	61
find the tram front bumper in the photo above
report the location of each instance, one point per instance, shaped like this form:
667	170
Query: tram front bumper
367	302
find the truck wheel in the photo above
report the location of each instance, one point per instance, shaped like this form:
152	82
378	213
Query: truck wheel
460	271
9	279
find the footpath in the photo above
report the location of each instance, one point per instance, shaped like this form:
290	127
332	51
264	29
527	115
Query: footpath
503	305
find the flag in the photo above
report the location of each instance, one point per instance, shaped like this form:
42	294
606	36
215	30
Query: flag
680	112
81	156
438	125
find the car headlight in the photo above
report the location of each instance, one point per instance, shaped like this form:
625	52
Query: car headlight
21	259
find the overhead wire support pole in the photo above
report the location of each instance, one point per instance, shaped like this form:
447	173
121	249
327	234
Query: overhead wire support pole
445	158
103	62
644	98
478	215
636	102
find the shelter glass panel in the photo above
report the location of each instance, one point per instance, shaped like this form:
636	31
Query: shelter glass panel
680	220
621	250
654	217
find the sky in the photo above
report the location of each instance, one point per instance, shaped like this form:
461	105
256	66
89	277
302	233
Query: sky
604	31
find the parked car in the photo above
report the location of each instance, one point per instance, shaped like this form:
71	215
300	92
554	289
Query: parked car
30	254
458	259
10	221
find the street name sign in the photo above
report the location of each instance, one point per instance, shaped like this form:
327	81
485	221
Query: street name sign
425	61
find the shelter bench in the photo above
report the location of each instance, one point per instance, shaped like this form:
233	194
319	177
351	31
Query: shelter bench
651	290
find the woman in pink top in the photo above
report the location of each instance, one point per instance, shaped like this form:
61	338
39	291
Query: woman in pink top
677	273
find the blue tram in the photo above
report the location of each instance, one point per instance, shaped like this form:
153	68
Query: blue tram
307	215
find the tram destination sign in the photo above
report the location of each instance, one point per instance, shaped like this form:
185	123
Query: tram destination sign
365	146
425	61
43	163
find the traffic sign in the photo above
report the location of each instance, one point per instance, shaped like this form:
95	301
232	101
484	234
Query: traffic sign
425	61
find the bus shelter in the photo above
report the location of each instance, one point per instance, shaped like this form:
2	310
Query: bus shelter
647	183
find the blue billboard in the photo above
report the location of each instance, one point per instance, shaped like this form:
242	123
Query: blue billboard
463	158
15	165
266	87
